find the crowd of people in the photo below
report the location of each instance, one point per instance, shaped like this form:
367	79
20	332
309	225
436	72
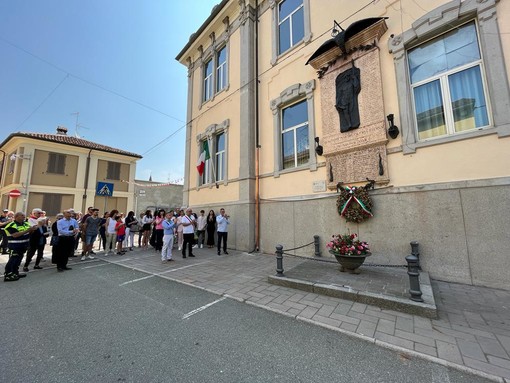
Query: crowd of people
24	237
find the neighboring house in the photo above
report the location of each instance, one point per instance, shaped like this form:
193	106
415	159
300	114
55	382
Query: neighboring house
268	84
153	196
56	172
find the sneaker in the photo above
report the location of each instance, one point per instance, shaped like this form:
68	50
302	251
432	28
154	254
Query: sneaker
25	269
164	261
130	249
91	252
225	252
90	257
21	275
192	255
43	259
83	257
179	249
219	253
194	246
106	254
11	277
170	260
201	246
37	267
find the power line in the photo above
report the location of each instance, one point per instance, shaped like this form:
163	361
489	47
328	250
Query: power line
43	101
88	81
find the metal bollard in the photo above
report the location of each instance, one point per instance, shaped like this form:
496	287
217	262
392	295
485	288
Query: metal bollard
316	243
413	264
415	251
279	260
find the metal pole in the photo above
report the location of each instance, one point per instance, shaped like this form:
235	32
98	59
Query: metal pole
415	252
413	271
317	246
279	260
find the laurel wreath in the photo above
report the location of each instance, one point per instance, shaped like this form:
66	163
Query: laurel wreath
354	204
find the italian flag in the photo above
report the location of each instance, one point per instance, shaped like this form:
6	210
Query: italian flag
204	156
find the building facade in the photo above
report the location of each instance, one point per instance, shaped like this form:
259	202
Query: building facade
57	171
298	99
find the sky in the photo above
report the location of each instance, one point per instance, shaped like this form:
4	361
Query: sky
113	62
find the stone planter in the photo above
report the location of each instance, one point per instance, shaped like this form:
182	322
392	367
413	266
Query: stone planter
350	263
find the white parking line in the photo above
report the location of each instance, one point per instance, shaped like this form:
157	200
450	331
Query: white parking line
186	316
101	264
163	272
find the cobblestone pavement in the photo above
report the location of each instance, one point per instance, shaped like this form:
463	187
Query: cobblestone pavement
471	334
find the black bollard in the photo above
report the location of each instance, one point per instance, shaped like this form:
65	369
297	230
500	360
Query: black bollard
279	260
413	264
415	251
316	243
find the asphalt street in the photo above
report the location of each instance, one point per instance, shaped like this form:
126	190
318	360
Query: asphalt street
101	322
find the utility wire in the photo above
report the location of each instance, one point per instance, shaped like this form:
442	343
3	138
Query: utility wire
43	101
88	81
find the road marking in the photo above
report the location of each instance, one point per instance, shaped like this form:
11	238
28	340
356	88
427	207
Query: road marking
186	316
163	272
101	264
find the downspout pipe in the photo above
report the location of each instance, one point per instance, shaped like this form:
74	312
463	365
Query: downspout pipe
86	183
257	148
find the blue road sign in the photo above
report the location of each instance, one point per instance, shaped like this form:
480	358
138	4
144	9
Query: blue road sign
104	189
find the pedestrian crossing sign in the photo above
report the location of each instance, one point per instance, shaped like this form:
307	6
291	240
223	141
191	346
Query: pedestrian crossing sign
104	189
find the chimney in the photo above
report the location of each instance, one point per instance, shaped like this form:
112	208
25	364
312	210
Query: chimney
62	130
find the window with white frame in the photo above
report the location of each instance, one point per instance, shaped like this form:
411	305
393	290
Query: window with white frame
206	175
208	80
447	85
451	76
295	142
221	69
291	29
220	156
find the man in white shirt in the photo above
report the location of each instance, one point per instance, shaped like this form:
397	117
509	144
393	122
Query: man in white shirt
223	221
188	231
201	225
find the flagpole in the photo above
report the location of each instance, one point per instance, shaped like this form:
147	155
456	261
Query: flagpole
212	167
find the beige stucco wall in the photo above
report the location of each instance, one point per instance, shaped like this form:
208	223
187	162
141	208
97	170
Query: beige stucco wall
40	176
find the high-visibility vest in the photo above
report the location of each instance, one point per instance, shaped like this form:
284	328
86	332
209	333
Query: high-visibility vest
19	243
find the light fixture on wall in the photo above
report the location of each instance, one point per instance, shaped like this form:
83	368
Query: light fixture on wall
393	129
336	31
318	148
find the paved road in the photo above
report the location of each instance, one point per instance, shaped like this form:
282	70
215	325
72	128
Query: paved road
102	322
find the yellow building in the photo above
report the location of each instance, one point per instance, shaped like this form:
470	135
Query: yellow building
56	172
270	81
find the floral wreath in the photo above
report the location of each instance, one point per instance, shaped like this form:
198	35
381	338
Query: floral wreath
354	203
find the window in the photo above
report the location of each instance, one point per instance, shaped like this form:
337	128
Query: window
294	128
295	143
208	74
451	76
56	163
447	86
52	204
216	168
220	157
290	24
221	69
113	171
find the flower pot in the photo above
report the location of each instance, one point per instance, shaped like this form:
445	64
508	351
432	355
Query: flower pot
350	263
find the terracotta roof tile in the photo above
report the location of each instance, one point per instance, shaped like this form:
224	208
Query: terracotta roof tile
69	140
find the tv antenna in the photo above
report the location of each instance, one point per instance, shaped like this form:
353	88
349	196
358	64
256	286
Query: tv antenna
78	126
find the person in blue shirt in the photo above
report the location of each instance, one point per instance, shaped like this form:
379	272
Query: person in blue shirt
68	230
168	237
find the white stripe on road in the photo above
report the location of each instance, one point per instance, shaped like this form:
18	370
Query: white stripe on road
163	272
186	316
101	264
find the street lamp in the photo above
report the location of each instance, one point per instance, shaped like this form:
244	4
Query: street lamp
28	157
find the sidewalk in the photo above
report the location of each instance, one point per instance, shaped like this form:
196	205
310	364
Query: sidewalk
472	332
